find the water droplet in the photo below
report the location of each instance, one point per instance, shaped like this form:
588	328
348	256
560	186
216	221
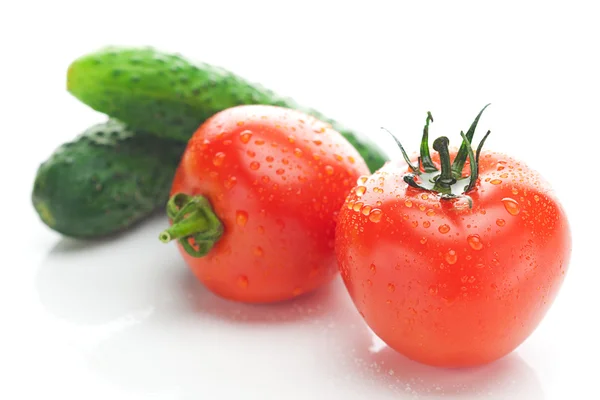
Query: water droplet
297	152
357	206
451	257
424	196
226	142
351	159
242	281
426	224
480	266
350	204
423	240
254	165
433	290
285	161
496	181
444	228
280	171
230	182
475	242
240	123
375	215
360	190
258	251
511	206
297	291
463	288
317	142
319	130
366	210
269	158
408	203
464	279
515	191
338	157
472	279
329	170
373	268
362	179
504	175
251	153
369	283
218	159
245	136
500	222
291	139
265	179
430	213
536	197
415	224
259	142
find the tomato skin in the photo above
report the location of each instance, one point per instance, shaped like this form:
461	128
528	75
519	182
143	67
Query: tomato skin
276	178
446	285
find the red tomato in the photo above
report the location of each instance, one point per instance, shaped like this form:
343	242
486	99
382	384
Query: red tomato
275	178
444	282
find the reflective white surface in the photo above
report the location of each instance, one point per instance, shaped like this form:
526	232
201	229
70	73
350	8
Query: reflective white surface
124	318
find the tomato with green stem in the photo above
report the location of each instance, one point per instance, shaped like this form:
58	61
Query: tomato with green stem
254	202
453	263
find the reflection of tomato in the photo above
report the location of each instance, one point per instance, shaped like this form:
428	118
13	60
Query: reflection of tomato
443	283
275	178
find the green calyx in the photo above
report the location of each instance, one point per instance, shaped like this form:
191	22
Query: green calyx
448	181
193	218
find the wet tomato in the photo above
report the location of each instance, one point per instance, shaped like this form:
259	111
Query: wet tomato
453	264
254	202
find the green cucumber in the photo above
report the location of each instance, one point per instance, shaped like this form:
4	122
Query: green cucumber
170	96
105	180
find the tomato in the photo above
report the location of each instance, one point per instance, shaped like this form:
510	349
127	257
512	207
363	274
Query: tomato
254	202
448	270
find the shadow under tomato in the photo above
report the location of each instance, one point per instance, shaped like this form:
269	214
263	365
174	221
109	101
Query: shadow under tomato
506	378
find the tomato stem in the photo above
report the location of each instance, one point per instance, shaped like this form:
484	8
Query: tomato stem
425	159
193	220
461	156
474	166
444	181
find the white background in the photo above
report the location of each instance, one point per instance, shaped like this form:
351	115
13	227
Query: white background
124	319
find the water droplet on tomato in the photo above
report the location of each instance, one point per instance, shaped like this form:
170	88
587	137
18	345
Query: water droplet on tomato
242	281
350	204
366	210
329	170
423	240
433	290
351	159
480	266
319	130
375	215
472	279
280	171
430	213
424	196
230	182
511	206
408	203
245	136
363	179
258	251
254	165
373	268
317	142
500	222
297	152
218	159
357	206
269	158
426	224
259	142
451	257
391	287
265	179
369	283
504	175
496	181
338	157
360	190
444	228
240	123
475	242
291	139
241	217
515	191
536	197
251	153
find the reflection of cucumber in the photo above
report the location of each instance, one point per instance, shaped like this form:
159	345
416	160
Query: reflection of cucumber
170	96
105	180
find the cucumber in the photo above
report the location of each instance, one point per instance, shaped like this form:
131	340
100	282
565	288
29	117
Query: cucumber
105	180
170	96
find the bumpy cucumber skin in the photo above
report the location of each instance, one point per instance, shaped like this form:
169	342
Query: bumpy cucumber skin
105	180
171	96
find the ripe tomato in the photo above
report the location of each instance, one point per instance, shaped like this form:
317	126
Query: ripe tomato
254	200
443	278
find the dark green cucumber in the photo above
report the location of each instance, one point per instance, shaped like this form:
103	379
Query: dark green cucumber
105	180
171	96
